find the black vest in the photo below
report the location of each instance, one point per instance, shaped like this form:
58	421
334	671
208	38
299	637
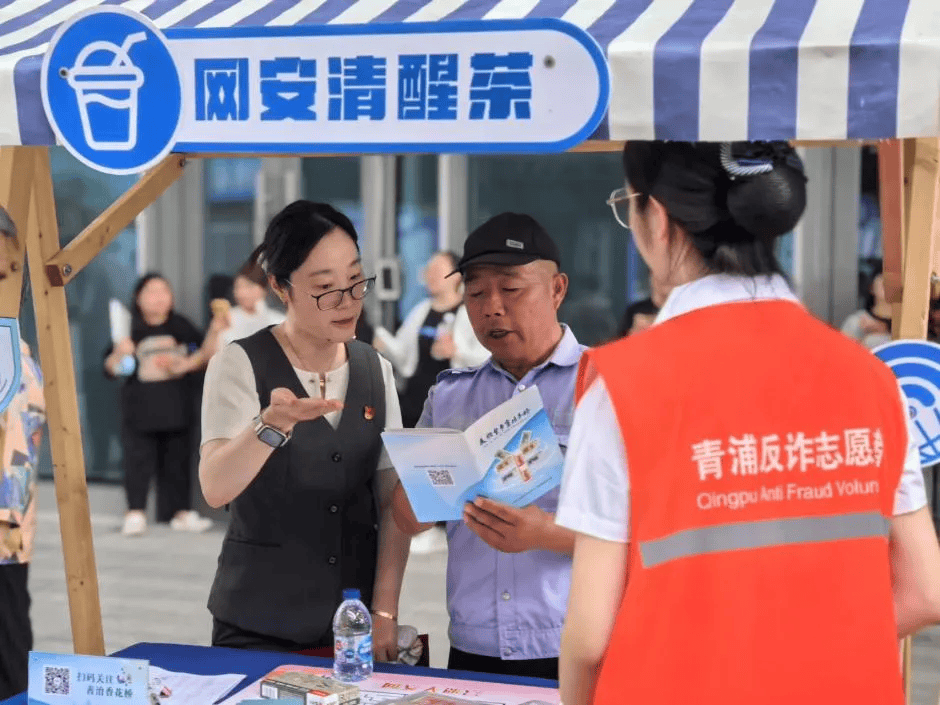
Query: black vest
307	525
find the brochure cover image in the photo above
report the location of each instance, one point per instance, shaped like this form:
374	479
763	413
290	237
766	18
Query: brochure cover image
510	454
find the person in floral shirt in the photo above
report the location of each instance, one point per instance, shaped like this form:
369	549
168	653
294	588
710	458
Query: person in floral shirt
20	434
21	430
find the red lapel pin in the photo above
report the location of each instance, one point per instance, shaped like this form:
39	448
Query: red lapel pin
368	413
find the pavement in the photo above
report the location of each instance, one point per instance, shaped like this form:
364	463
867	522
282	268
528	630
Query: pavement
154	588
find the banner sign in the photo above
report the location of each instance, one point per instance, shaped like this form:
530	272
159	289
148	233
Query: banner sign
120	94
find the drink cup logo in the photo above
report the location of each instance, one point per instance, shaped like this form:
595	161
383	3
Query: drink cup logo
111	90
113	86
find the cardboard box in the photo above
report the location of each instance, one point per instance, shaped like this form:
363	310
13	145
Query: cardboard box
314	689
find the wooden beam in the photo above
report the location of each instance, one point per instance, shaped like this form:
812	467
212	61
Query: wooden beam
16	176
891	195
908	148
66	263
588	146
65	433
833	143
909	175
258	155
593	146
921	223
920	194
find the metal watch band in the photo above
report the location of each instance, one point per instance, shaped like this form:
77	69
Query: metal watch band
261	427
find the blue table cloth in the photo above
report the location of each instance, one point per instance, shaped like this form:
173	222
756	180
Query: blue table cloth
211	660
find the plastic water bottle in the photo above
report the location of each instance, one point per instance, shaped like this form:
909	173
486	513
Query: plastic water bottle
352	639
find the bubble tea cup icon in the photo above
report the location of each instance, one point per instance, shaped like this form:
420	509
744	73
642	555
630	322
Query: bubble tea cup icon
108	94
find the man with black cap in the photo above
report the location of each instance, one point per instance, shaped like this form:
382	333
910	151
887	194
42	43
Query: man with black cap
508	569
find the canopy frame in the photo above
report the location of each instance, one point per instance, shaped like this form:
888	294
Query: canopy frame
910	207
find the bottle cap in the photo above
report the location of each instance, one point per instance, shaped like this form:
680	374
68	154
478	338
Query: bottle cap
352	594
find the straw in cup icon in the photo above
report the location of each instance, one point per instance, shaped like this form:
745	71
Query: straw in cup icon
108	94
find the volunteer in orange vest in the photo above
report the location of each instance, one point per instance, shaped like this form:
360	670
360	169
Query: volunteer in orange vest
751	518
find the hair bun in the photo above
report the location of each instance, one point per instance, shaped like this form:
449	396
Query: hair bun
767	195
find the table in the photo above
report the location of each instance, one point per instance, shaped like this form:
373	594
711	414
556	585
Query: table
213	660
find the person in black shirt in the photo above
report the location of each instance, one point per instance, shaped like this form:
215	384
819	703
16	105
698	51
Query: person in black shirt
158	362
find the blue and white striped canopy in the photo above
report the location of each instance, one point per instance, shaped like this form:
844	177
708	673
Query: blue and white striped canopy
680	69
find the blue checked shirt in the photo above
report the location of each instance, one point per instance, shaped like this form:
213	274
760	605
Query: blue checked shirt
506	605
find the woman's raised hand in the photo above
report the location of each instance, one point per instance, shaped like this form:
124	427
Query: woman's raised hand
286	409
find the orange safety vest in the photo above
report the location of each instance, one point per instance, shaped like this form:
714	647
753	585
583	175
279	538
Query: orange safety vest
764	450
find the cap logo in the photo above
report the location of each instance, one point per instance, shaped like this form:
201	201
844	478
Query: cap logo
516	244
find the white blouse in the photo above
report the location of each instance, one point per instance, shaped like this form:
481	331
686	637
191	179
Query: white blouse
230	400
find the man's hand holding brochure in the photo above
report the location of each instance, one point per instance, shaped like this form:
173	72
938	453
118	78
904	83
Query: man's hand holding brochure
510	454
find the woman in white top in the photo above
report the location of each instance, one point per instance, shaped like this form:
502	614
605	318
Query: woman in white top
251	312
291	422
436	335
665	555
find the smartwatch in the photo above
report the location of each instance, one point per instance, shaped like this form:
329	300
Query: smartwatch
269	435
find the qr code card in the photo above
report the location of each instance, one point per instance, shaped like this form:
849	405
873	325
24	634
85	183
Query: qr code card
57	680
70	679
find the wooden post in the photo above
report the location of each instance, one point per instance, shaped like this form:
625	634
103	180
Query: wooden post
65	434
16	170
922	211
64	265
920	195
891	195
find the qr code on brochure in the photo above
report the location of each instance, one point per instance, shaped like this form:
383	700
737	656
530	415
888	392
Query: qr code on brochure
57	680
441	478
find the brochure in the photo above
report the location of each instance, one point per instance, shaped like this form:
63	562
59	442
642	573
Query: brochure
510	454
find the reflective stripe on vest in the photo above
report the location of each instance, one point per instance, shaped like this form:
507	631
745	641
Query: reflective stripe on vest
762	534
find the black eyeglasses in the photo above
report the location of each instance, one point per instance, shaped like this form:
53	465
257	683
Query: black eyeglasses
333	298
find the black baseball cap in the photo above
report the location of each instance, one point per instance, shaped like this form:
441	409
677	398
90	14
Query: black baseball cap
508	239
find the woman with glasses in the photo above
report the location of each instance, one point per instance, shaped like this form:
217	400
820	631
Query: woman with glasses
749	508
291	443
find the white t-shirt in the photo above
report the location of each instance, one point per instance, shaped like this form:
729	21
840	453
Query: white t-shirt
230	400
245	324
595	489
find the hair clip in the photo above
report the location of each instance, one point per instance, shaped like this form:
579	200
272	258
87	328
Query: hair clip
743	167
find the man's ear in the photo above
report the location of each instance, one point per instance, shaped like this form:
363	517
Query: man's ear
559	289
